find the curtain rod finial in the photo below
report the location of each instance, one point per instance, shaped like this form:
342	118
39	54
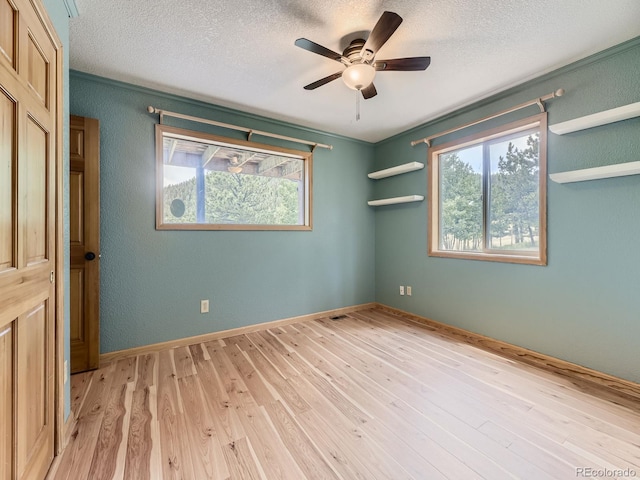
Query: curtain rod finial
151	109
559	92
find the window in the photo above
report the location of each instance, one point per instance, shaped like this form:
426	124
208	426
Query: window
206	182
487	195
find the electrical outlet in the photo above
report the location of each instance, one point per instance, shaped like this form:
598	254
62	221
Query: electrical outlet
408	290
66	371
401	290
204	306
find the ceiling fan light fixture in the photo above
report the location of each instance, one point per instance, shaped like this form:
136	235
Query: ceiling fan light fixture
358	75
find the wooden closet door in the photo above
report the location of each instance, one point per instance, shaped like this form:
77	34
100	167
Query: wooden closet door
28	115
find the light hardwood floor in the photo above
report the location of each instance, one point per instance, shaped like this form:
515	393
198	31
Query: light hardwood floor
369	396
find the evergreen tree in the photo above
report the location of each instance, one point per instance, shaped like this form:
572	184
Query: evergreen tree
461	207
515	190
513	200
232	198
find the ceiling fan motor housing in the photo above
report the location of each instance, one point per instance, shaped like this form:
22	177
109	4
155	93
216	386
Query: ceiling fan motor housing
353	51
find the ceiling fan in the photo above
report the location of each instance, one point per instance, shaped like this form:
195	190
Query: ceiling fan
359	58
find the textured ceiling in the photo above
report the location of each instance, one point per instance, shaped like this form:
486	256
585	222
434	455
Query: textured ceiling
241	53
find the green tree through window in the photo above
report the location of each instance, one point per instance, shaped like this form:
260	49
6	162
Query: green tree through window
207	182
236	198
488	195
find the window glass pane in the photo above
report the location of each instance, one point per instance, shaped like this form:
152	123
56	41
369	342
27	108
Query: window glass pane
179	194
461	199
487	195
210	182
238	198
514	193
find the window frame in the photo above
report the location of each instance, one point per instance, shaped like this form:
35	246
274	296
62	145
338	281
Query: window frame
538	257
306	157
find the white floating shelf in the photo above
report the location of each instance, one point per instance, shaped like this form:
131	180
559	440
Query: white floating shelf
390	172
394	200
597	119
608	171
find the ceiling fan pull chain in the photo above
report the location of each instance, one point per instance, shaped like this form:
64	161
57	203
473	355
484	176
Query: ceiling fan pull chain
357	105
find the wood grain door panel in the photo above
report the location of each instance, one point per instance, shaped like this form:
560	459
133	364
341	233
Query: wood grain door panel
34	372
8	22
36	192
6	401
38	71
76	210
28	154
8	164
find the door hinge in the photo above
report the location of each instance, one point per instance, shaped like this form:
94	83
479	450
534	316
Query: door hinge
52	276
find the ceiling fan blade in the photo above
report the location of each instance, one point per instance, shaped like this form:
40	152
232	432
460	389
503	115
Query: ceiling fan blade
369	92
403	64
387	24
319	49
323	81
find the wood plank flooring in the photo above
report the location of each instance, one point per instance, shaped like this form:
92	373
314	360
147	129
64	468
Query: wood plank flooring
369	396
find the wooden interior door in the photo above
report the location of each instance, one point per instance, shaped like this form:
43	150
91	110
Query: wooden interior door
84	228
28	156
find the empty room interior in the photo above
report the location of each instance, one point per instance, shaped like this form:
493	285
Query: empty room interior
330	240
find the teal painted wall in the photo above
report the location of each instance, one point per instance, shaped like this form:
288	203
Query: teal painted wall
152	281
59	16
584	306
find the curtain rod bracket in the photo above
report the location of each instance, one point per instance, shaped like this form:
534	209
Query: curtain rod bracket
541	105
151	109
423	140
249	134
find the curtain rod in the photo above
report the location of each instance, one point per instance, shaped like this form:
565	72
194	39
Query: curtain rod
249	131
536	101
